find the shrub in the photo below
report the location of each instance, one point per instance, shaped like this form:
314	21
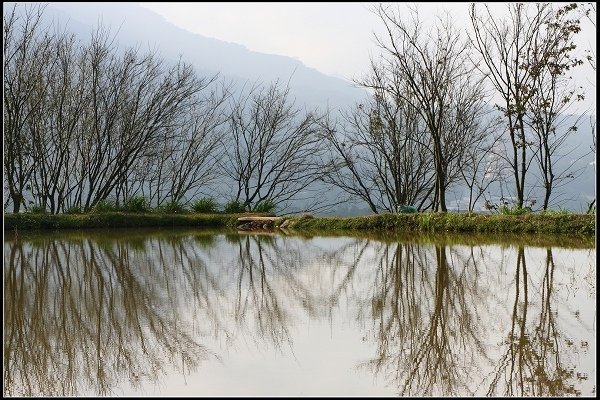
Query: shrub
205	205
505	210
266	206
104	206
173	206
38	210
136	204
406	209
559	211
426	220
73	210
235	206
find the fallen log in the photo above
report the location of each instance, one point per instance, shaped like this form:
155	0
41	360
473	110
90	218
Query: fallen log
251	223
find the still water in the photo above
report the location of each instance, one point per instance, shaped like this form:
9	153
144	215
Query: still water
197	313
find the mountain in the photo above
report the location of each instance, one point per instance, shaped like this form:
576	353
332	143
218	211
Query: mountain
134	25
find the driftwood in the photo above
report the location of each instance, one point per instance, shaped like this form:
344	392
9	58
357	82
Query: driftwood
252	223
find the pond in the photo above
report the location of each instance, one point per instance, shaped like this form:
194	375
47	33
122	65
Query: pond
212	313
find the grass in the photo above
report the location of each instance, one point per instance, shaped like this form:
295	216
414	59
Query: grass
174	207
205	205
104	206
583	224
234	206
137	204
115	220
545	223
266	205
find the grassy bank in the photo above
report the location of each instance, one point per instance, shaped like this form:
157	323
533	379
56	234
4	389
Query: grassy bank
28	221
580	224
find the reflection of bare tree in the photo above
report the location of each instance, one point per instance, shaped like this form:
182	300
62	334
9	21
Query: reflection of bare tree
93	314
532	364
424	308
432	357
427	333
80	316
269	288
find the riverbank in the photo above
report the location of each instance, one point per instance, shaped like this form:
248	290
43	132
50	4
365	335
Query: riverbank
28	221
550	223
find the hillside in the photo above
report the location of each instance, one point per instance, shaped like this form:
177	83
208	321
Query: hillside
138	26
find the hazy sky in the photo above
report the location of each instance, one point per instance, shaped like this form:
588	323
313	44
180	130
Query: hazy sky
335	38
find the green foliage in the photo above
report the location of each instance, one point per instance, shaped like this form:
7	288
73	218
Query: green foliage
580	224
266	205
234	206
505	210
425	220
205	241
29	221
559	211
38	210
205	205
232	238
174	207
104	206
136	204
406	209
73	210
454	222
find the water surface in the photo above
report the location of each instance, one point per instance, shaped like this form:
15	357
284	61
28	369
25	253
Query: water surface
198	313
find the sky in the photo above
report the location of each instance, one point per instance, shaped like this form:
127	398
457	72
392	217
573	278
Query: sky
335	38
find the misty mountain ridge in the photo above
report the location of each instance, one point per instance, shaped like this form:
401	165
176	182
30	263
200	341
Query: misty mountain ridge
136	26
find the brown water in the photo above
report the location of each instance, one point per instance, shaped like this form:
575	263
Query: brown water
196	313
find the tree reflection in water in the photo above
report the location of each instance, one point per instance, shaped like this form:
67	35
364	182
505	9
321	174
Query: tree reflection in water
428	310
84	317
424	309
269	289
533	363
88	315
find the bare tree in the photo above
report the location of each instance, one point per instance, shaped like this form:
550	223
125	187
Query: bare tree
590	14
502	44
439	85
553	96
526	56
481	167
27	52
95	340
533	362
189	160
381	153
589	11
88	122
136	103
57	124
273	149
